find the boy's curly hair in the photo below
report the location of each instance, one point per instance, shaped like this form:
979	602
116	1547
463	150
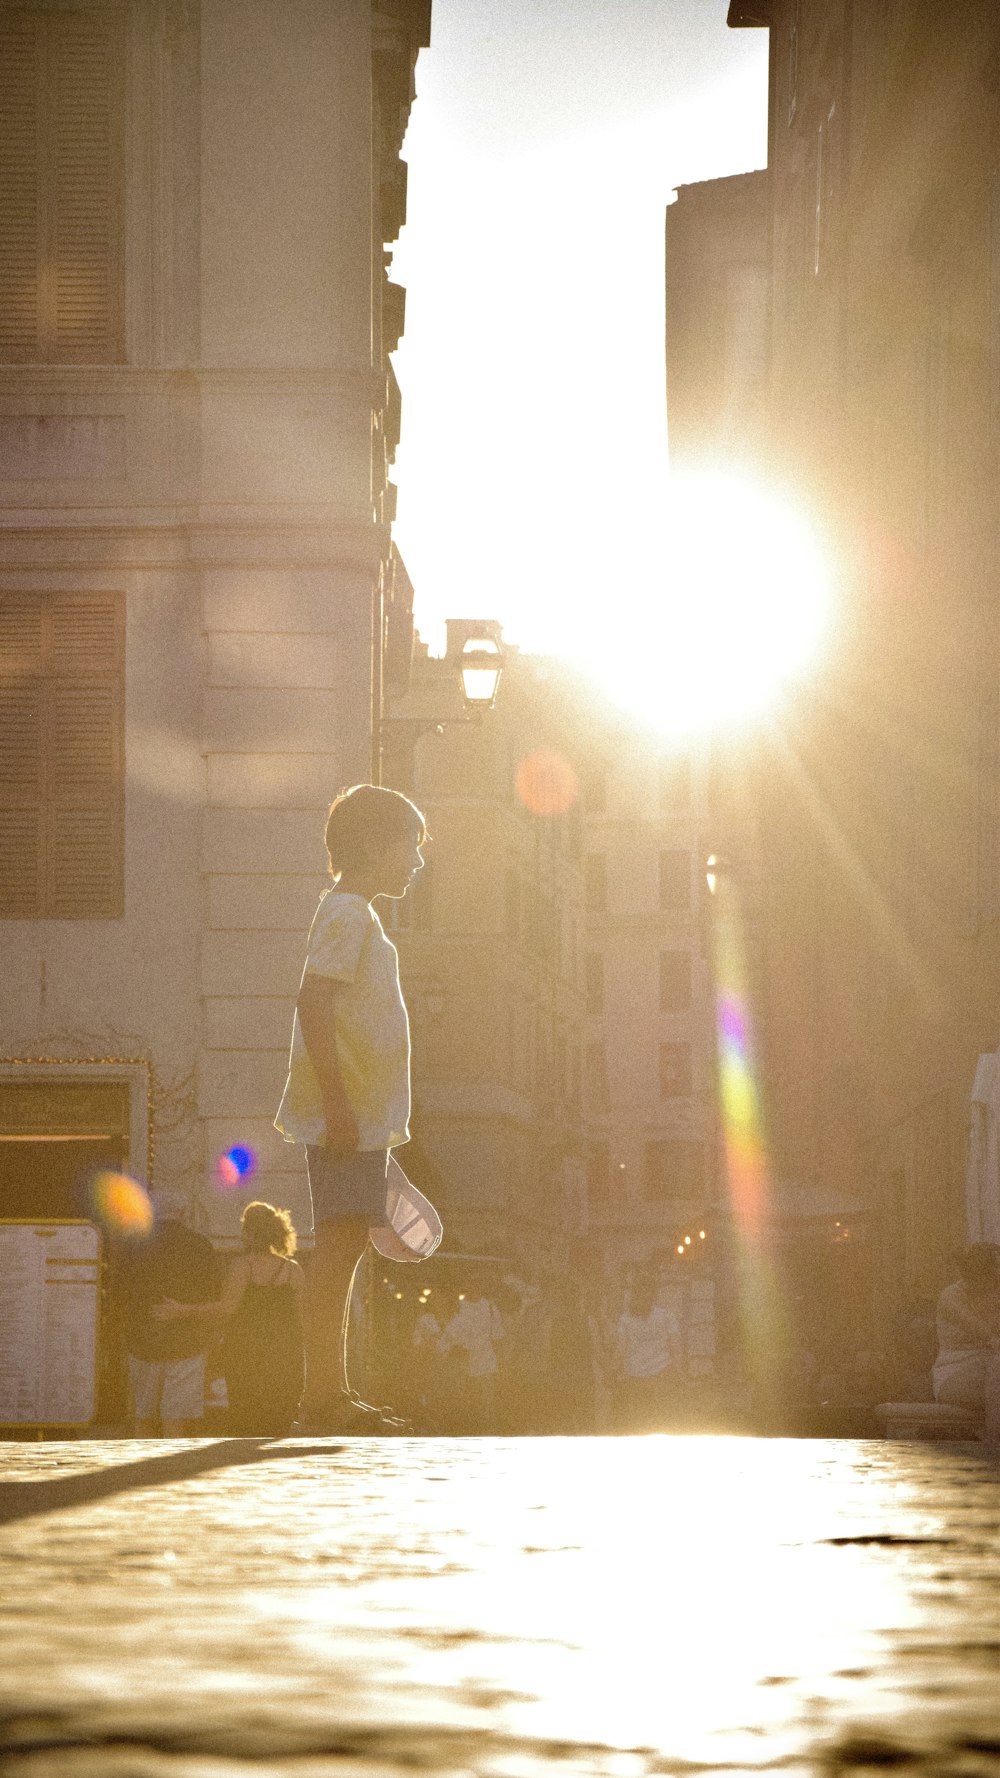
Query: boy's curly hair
268	1230
365	820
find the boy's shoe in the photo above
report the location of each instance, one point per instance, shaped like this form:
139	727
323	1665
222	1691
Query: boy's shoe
385	1416
350	1417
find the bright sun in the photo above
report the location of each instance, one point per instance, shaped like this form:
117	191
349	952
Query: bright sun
733	604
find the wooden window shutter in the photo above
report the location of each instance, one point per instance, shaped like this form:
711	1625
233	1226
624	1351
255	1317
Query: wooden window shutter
62	159
62	686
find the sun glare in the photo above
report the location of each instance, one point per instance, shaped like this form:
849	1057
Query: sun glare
734	604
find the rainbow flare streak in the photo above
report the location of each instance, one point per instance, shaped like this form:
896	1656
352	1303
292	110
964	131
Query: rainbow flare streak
744	1140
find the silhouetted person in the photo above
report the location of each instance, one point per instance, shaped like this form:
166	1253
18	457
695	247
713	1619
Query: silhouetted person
347	1097
261	1305
166	1360
967	1367
476	1328
648	1353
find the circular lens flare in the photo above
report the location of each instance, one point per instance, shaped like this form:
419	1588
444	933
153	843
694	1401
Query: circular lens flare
546	782
121	1205
237	1164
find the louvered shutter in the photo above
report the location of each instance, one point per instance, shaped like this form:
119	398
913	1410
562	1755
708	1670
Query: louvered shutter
61	184
61	756
20	246
22	753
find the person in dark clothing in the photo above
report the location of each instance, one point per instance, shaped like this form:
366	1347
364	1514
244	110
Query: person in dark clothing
262	1349
166	1361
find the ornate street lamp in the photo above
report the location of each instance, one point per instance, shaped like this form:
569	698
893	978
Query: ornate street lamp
480	664
476	658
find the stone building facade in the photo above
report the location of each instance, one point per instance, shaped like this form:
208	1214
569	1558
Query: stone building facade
875	801
197	418
553	957
491	943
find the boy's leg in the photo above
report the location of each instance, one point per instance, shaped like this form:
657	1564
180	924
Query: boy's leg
339	1243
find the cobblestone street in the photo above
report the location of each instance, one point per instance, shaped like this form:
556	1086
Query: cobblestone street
597	1606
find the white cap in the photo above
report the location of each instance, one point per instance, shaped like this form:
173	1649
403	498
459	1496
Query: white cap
411	1217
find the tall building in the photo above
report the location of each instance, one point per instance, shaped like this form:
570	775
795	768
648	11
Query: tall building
491	947
197	418
553	958
875	800
653	1173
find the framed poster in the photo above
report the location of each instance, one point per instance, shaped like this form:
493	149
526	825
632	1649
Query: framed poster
49	1295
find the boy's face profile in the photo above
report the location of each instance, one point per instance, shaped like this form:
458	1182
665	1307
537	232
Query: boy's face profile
396	865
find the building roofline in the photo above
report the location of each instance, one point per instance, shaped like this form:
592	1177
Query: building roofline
743	13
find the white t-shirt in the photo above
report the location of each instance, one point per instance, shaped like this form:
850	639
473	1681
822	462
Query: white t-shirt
476	1326
646	1346
347	945
957	1342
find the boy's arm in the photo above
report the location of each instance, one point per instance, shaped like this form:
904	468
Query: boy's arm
315	1008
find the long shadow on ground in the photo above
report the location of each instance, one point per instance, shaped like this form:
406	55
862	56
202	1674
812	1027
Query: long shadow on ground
24	1500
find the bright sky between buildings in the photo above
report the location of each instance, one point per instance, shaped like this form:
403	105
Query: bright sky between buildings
543	148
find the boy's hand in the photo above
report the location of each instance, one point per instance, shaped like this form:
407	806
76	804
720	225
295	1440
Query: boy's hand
341	1130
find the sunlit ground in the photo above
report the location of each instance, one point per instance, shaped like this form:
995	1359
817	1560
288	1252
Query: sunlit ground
733	602
612	1606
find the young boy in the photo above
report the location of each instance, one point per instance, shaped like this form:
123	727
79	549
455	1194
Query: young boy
347	1097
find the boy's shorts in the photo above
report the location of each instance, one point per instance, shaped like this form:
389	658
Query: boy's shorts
348	1185
167	1391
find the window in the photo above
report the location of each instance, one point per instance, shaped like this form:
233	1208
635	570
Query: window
675	881
54	1131
62	807
675	785
62	262
675	1169
675	981
594	984
595	879
598	1170
675	1070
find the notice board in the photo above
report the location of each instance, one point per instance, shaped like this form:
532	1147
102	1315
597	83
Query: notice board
49	1289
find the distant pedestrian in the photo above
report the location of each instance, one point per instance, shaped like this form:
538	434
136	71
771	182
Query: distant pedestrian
166	1361
475	1329
648	1359
426	1364
262	1357
967	1367
347	1097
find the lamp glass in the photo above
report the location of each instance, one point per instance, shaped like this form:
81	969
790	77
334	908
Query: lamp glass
479	684
480	664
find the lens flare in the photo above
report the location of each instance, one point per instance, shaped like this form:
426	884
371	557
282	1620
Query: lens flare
121	1205
546	782
237	1164
745	1145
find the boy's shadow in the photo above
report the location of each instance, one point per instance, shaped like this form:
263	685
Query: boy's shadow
24	1500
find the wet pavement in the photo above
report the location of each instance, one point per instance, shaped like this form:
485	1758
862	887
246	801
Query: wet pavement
214	1609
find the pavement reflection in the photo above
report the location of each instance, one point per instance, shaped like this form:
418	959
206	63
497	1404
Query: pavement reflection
620	1606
